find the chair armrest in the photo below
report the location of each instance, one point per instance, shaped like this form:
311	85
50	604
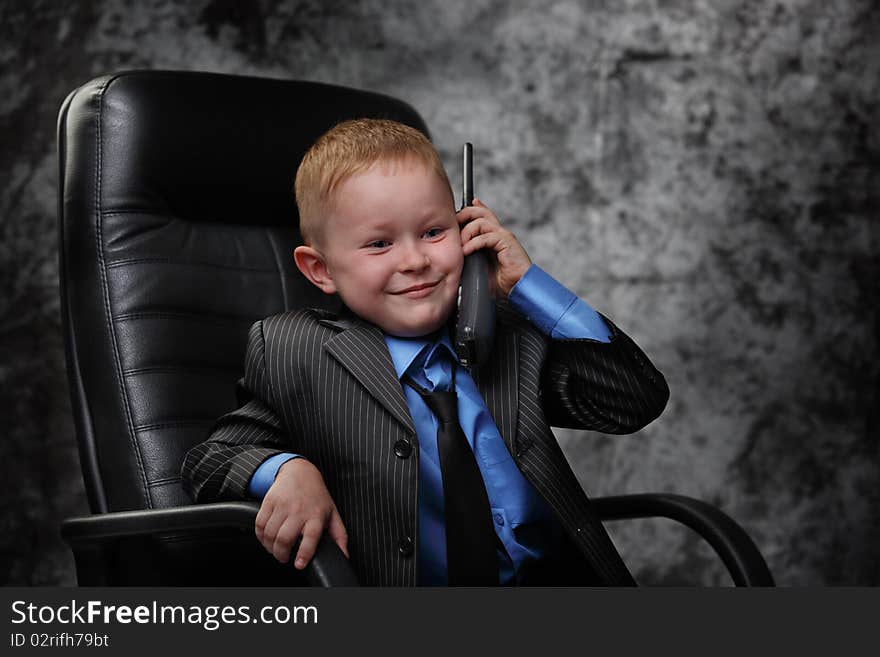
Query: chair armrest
729	540
328	567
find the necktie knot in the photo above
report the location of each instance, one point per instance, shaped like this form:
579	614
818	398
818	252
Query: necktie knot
438	368
443	403
439	371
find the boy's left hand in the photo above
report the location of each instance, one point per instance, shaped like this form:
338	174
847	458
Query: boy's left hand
508	261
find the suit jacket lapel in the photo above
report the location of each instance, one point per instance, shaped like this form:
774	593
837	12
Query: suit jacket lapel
361	349
498	382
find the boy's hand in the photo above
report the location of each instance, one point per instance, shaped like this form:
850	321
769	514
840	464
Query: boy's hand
298	503
509	259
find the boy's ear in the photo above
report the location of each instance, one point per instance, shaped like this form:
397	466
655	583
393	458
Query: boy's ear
311	263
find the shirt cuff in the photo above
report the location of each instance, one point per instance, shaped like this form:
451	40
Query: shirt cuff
555	310
264	476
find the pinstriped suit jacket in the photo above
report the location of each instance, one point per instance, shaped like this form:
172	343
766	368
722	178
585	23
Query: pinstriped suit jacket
324	386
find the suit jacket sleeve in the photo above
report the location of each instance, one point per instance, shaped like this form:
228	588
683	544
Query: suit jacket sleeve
609	387
221	467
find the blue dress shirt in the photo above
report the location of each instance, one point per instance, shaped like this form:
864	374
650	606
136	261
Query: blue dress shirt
523	521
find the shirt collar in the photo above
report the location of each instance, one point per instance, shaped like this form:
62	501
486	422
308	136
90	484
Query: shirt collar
404	351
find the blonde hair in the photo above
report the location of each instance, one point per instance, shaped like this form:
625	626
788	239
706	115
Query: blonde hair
350	148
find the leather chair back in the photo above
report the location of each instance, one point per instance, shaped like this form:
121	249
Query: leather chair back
177	226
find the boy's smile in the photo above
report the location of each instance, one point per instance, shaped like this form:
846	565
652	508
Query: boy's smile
391	248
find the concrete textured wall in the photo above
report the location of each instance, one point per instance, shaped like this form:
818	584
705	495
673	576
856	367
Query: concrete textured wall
705	173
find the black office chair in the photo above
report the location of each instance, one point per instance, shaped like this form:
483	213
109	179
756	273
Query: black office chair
177	224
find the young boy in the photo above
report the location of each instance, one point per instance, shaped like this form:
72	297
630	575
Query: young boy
340	434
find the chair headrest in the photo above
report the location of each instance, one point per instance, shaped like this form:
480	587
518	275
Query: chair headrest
171	140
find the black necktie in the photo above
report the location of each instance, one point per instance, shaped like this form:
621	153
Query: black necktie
471	555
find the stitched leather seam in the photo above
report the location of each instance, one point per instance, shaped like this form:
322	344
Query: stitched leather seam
194	369
174	425
209	318
164	481
169	261
152	212
279	268
105	289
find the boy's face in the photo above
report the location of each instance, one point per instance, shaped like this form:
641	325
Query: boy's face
391	248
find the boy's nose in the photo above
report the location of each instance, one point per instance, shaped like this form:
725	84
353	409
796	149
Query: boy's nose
414	259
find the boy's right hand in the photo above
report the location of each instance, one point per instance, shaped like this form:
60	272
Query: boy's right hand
298	503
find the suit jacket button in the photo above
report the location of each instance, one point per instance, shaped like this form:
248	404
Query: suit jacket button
405	546
403	448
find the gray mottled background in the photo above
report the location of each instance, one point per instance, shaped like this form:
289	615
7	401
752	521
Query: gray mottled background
705	173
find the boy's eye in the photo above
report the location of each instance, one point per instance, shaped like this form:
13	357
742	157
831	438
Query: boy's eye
379	244
433	232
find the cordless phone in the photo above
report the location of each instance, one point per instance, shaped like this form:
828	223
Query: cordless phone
475	323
